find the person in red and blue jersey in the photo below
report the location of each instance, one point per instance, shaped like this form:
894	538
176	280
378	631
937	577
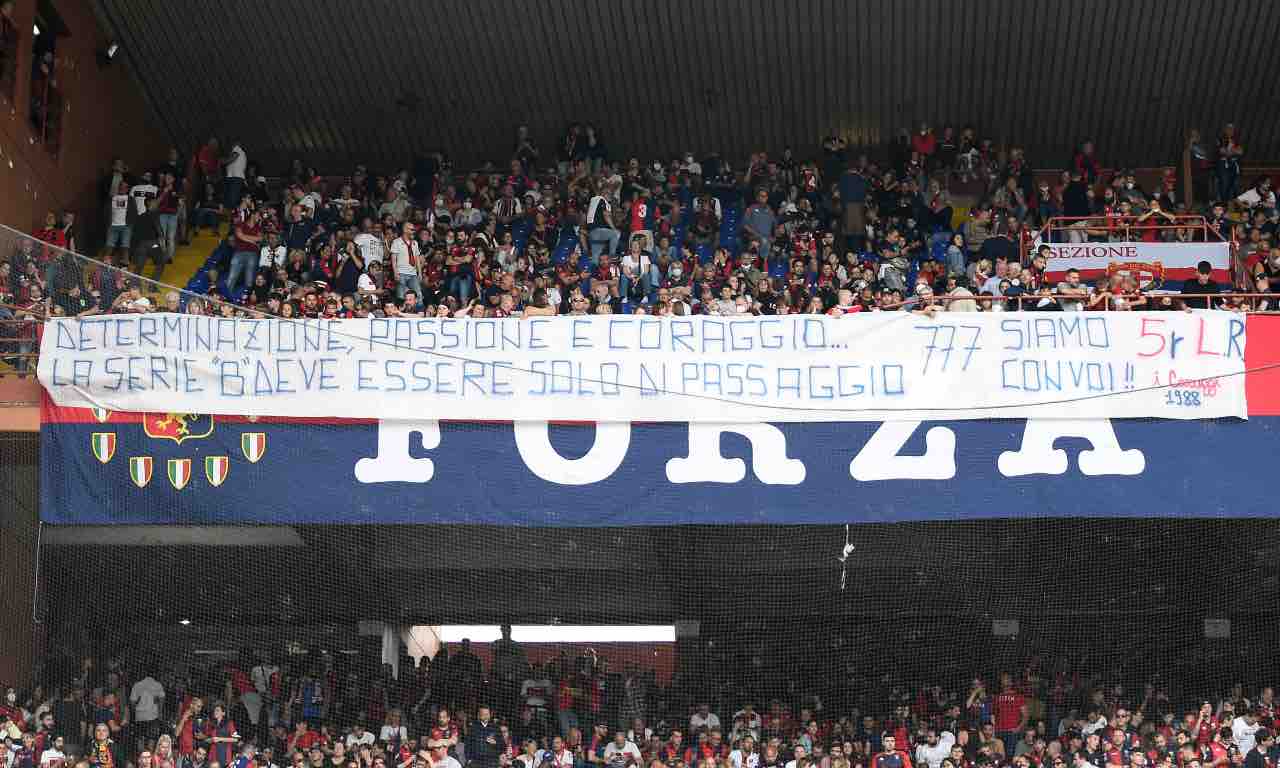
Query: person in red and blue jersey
890	756
222	736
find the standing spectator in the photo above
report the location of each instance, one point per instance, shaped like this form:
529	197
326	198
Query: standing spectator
110	184
936	747
192	728
147	698
484	742
1009	711
70	232
370	242
1085	163
234	166
146	240
222	736
507	209
853	195
1226	169
525	150
207	164
118	232
246	241
1244	730
141	192
102	752
406	258
509	666
1075	196
68	716
602	235
168	198
758	221
890	756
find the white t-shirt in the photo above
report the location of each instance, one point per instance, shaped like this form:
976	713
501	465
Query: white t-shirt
1243	733
932	756
468	217
263	673
401	252
146	697
141	193
1252	197
238	164
119	210
364	738
752	761
449	761
388	732
269	257
52	758
370	247
535	692
699	721
627	753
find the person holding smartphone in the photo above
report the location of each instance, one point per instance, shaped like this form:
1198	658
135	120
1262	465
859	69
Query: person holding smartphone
223	735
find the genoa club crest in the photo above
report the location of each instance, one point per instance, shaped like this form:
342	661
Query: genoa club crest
140	470
177	426
179	473
216	469
253	445
1150	276
104	446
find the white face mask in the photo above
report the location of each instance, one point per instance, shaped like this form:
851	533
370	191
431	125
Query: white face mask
466	205
11	697
439	201
1128	185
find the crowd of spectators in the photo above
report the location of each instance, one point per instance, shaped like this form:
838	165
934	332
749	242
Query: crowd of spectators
450	711
575	231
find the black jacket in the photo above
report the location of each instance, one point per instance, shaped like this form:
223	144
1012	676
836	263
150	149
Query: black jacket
480	753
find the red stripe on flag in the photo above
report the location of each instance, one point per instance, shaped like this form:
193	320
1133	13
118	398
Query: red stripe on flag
1262	348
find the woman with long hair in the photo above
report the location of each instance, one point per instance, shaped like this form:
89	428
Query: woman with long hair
163	755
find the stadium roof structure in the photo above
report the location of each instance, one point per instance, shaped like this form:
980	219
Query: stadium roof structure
341	82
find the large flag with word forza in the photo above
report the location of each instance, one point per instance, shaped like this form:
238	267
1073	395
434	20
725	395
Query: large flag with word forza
121	441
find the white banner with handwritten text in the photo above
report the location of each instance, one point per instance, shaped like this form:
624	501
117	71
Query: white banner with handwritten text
870	367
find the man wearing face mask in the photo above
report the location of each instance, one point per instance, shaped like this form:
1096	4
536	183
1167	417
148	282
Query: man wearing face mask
1132	192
